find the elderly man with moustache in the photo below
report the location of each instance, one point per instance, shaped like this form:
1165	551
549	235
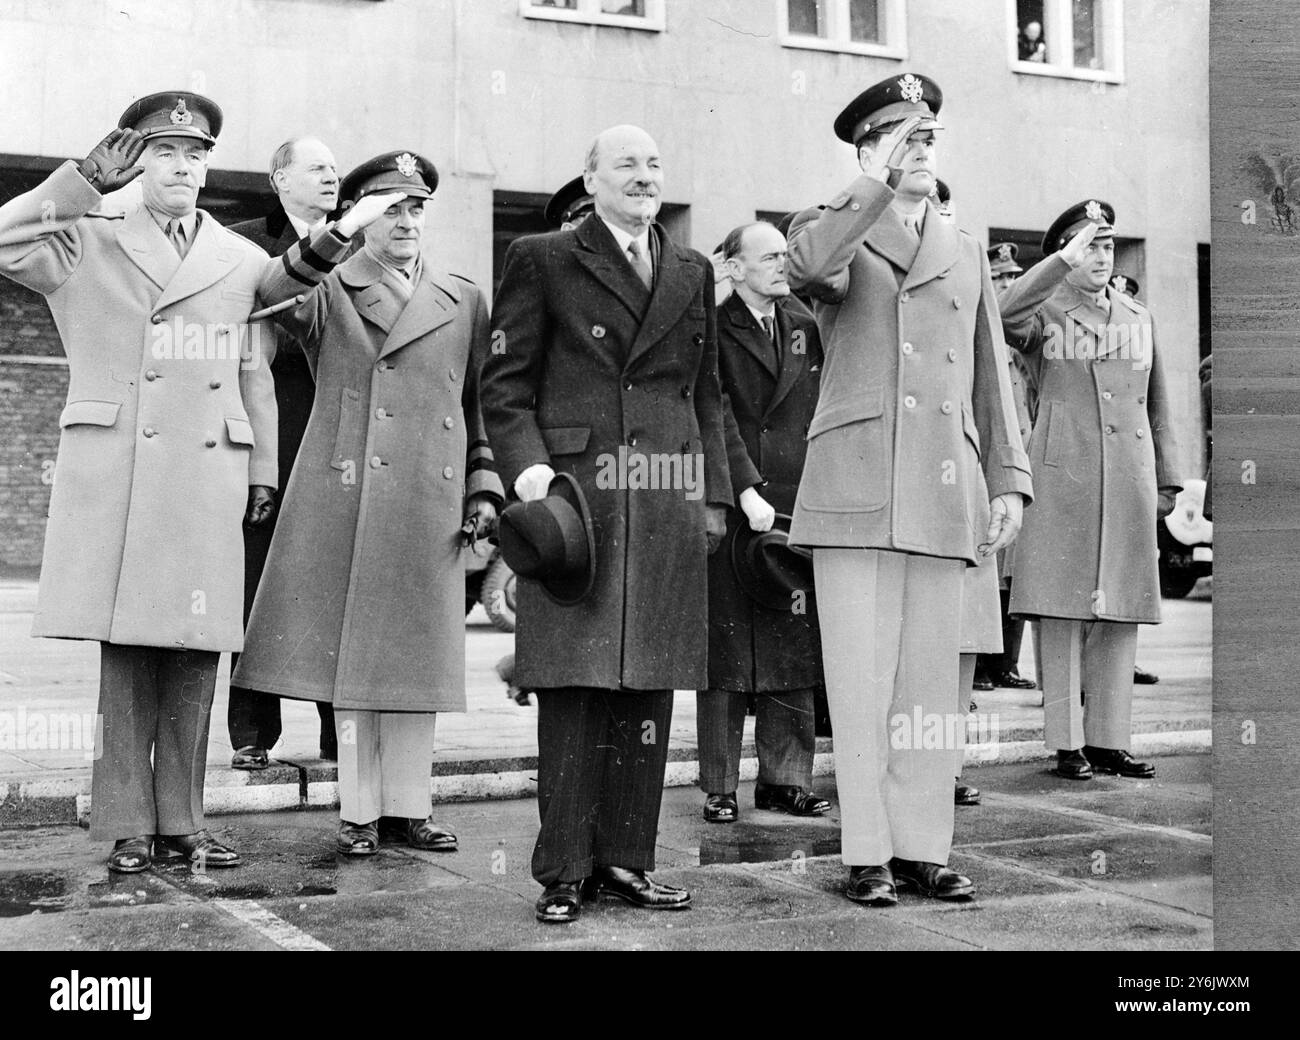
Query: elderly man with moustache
604	347
394	464
914	472
306	185
164	451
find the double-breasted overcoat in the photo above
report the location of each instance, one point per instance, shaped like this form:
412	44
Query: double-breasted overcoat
170	417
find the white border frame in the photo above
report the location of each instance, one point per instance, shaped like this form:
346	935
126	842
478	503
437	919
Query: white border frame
589	13
895	12
1061	45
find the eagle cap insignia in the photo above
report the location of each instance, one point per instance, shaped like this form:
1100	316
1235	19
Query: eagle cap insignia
1093	210
1004	253
911	88
180	115
406	164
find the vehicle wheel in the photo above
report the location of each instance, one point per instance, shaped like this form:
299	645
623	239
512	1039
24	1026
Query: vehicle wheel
498	595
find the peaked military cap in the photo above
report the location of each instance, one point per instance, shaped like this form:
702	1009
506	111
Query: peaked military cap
1073	220
1002	259
174	113
392	171
568	202
888	102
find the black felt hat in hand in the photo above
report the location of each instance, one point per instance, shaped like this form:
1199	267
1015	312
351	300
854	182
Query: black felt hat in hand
768	568
551	541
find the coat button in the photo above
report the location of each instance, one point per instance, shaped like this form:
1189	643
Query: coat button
382	366
1140	434
1110	429
956	302
376	462
380	414
952	356
686	392
698	339
211	442
452	375
905	297
449	423
151	375
855	206
909	401
1142	400
448	472
631	442
215	384
598	331
627	386
765	429
908	348
149	431
946	408
157	319
1106	395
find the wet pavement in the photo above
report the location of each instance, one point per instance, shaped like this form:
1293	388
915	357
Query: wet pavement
1111	864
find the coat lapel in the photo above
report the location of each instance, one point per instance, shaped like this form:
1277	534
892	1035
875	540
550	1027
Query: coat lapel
676	282
792	364
361	275
888	237
431	306
209	260
598	252
1090	321
745	330
940	247
147	247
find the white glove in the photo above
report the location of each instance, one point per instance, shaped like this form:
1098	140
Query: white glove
757	510
534	482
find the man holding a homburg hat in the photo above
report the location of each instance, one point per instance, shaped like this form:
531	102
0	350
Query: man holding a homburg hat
393	463
166	450
1105	465
914	472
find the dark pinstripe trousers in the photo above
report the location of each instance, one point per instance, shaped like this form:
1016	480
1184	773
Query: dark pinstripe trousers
601	756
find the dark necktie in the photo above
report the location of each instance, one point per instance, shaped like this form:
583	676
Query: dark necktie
176	236
640	265
769	326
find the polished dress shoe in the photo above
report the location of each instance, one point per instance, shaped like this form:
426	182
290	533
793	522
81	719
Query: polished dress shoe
1144	678
131	855
561	903
931	879
721	808
965	794
873	886
250	757
1118	762
200	847
425	834
981	682
1072	765
633	886
358	839
1012	680
793	800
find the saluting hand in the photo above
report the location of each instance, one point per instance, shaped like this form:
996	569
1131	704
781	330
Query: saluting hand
1006	514
366	211
886	158
261	505
112	163
1075	251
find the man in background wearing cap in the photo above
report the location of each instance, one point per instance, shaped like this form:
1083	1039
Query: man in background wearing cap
569	206
165	450
1106	465
769	360
394	462
604	349
914	472
306	186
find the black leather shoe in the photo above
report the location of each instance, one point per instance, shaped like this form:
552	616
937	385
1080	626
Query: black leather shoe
1118	763
1072	766
251	757
1013	681
982	683
872	886
357	839
561	903
965	794
793	800
931	879
200	847
131	855
635	887
721	808
427	835
1144	678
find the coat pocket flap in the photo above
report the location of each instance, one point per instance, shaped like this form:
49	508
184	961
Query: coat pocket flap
240	431
870	405
566	440
90	413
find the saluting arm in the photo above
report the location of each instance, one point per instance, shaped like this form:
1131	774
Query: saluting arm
823	243
40	243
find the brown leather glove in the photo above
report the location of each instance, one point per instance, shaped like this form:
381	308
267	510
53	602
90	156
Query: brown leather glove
112	162
261	505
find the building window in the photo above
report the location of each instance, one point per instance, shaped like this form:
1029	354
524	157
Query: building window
625	14
874	27
1077	39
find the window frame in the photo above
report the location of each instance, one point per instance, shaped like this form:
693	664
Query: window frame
589	13
1060	45
895	45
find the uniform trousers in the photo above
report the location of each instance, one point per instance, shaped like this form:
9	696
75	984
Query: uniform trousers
385	762
889	627
784	734
1096	656
155	705
601	756
1013	634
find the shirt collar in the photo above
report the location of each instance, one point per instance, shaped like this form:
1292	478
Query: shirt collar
189	222
760	315
624	239
301	227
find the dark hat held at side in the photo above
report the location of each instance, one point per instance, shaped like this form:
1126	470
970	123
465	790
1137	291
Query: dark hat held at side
393	171
174	113
551	541
1075	219
888	102
769	570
